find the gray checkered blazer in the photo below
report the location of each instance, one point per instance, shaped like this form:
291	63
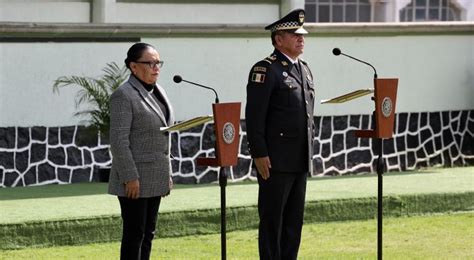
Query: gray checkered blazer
139	149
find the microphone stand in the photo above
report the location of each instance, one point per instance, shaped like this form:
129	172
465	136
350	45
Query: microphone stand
380	164
380	170
215	93
222	179
222	185
337	52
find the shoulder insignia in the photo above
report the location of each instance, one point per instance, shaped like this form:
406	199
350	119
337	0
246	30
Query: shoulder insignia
270	59
284	63
258	77
261	69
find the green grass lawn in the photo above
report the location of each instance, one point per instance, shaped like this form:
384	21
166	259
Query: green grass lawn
423	237
54	202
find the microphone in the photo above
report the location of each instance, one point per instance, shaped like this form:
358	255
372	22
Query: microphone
337	52
178	79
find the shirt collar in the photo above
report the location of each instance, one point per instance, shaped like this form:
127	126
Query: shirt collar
290	59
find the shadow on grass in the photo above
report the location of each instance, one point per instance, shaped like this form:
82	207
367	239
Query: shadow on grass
80	189
98	188
368	175
53	191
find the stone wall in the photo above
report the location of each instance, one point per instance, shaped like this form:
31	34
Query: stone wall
46	155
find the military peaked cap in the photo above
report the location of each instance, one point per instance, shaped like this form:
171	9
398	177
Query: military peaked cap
291	22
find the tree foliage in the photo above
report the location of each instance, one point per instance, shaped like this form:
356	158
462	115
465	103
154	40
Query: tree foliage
95	92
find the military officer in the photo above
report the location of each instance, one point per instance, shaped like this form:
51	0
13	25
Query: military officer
279	120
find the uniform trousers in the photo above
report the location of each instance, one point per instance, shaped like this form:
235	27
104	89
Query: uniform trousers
281	208
139	218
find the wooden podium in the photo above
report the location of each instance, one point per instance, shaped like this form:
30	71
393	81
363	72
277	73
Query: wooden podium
226	129
385	98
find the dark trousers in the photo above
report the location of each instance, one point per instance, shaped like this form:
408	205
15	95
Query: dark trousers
139	221
281	208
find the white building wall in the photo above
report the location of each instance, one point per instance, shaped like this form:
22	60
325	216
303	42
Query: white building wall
436	72
181	12
431	79
28	71
196	13
45	11
467	6
433	76
111	11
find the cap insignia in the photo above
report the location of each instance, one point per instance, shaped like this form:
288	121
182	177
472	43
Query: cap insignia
301	17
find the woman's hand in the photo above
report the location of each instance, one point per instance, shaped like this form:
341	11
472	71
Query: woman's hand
170	186
132	189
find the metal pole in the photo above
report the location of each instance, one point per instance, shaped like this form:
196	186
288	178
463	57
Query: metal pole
222	184
380	167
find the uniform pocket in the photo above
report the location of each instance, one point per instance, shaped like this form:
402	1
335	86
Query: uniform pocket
288	85
289	89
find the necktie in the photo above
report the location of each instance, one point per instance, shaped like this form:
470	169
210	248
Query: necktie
298	68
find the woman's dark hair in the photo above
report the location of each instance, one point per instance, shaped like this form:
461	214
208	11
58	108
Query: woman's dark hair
135	52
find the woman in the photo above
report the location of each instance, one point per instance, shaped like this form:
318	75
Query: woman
140	173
